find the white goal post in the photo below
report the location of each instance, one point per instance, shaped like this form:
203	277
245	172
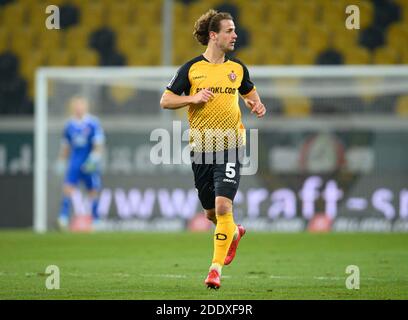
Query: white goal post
311	81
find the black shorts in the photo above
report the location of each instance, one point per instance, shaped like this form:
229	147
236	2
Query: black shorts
216	174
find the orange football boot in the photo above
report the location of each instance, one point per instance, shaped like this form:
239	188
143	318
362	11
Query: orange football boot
234	245
213	280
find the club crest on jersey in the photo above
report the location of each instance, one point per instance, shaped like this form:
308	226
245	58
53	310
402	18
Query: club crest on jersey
232	76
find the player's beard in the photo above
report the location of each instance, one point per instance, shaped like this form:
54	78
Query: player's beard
229	48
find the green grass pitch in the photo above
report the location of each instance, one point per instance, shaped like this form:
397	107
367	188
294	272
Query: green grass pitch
174	266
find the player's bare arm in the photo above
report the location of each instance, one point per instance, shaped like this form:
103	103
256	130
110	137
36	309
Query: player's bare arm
254	103
174	101
97	152
97	148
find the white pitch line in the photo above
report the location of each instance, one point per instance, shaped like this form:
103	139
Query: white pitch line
165	275
183	276
329	278
343	278
282	277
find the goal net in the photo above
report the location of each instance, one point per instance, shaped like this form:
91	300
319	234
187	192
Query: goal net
330	154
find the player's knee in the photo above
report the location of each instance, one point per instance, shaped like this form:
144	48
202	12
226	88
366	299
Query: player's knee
93	194
68	190
223	205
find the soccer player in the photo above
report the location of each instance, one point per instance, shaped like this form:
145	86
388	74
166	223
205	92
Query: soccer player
81	155
212	84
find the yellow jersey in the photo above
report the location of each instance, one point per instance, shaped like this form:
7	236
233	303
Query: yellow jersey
215	125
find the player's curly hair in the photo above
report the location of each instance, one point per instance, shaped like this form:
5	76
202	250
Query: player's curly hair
209	21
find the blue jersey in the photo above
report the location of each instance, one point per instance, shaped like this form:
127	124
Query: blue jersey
81	136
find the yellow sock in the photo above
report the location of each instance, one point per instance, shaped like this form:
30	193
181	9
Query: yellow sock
223	235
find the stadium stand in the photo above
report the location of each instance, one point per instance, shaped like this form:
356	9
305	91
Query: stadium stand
128	32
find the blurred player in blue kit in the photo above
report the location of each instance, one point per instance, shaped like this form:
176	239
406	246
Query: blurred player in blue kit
80	158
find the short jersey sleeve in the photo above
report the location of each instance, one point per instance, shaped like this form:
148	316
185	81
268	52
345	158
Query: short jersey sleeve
180	83
246	84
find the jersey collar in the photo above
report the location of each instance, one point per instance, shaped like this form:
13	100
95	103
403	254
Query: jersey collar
225	59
